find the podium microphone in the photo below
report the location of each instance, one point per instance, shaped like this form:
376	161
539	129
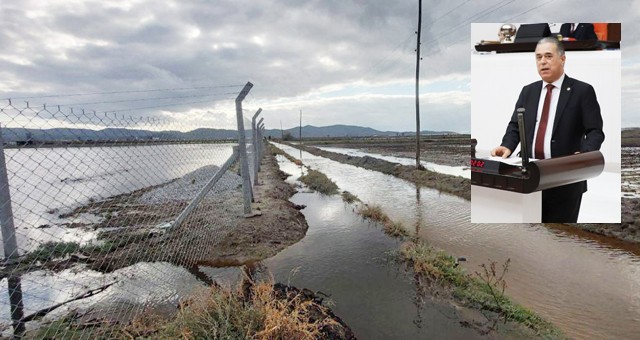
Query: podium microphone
523	140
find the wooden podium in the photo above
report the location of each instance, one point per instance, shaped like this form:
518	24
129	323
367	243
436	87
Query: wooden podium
505	193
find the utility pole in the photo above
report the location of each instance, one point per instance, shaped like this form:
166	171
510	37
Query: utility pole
281	131
418	84
300	126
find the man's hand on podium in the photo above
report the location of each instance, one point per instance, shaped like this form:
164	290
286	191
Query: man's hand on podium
501	151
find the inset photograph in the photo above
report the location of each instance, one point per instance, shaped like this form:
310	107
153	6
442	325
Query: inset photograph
546	118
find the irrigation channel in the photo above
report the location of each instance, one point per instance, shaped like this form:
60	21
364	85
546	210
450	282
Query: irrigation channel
348	258
461	171
587	285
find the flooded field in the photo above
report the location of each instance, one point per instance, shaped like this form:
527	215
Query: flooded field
47	182
462	171
347	258
631	172
576	280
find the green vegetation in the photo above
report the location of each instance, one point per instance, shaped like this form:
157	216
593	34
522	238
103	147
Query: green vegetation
51	250
455	185
483	291
277	151
375	213
318	181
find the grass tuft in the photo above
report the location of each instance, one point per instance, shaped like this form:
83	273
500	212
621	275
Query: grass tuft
374	212
318	181
349	197
51	250
214	313
481	291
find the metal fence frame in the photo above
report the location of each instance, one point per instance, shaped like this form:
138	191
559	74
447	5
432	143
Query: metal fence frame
12	251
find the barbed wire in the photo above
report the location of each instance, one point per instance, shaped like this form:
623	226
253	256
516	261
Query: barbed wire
126	92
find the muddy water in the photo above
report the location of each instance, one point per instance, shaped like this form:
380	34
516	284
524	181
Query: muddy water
346	258
586	285
462	171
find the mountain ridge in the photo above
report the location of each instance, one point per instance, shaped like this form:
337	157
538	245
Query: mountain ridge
109	134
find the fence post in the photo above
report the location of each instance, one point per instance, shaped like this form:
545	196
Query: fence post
261	145
258	126
256	163
6	214
260	132
242	149
205	190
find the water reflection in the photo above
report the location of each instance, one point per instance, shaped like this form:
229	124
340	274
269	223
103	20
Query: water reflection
344	257
419	217
585	284
462	171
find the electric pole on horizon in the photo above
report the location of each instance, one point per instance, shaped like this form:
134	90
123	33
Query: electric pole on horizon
418	84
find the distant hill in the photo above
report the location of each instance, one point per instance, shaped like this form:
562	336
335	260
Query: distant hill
111	134
310	131
631	136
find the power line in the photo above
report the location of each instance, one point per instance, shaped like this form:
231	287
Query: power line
449	12
388	58
466	21
145	99
161	106
527	11
132	91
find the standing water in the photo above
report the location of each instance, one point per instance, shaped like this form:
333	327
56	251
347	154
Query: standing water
345	257
589	288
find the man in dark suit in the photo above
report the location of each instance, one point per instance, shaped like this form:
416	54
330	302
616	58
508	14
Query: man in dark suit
574	125
579	31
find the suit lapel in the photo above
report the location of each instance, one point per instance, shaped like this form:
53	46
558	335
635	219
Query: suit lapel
565	94
532	110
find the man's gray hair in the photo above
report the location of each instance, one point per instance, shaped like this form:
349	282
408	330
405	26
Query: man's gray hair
555	41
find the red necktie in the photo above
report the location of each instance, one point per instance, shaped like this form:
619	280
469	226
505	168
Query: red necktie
542	128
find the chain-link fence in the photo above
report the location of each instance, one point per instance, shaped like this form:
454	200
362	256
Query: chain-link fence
104	216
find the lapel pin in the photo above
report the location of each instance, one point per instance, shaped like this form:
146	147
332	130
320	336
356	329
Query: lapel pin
568	89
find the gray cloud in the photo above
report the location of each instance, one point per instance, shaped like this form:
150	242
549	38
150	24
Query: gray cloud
288	49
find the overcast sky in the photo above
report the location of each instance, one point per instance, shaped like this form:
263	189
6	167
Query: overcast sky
339	61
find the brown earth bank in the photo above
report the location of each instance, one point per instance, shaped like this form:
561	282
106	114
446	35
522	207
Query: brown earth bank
455	185
255	310
278	225
627	230
452	150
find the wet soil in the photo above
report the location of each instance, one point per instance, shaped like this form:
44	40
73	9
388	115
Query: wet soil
216	234
116	321
455	185
629	228
276	225
452	150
